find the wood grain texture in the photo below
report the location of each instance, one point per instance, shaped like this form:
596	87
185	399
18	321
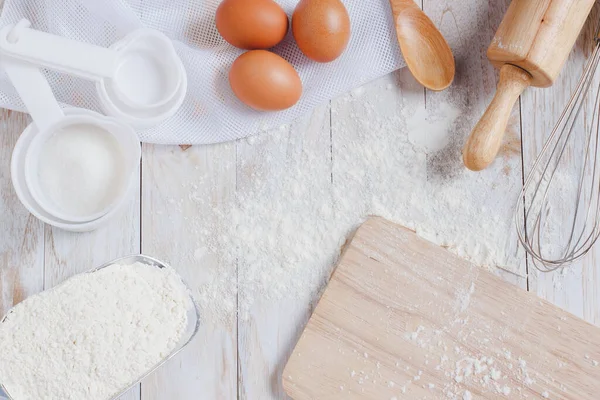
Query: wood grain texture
172	224
268	333
21	234
424	48
208	370
517	33
538	35
576	288
401	316
471	27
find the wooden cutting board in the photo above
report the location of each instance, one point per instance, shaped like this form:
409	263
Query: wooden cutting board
405	319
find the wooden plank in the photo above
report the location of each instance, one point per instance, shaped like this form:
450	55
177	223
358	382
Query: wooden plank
22	235
389	105
576	288
469	27
376	334
68	253
182	194
268	331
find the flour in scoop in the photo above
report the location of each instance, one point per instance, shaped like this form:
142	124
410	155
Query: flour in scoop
94	335
81	170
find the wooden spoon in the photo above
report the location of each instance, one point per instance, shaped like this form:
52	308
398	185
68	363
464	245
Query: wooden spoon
425	50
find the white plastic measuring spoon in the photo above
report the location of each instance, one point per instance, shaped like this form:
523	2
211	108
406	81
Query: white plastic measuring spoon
35	93
56	52
143	72
49	119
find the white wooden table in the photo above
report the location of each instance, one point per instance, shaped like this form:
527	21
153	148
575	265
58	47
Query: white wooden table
244	358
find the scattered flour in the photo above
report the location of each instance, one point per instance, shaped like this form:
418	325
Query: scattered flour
300	194
495	374
525	373
94	335
414	335
463	299
428	131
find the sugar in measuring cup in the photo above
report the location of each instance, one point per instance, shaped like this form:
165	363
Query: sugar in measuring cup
140	79
17	172
77	167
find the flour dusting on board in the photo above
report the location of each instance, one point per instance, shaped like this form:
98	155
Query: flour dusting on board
463	299
303	195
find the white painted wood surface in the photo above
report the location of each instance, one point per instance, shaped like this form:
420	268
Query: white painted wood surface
576	289
244	358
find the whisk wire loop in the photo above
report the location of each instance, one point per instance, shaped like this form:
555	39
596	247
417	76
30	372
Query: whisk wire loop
538	191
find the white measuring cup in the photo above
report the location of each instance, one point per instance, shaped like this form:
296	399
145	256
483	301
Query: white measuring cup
140	78
49	119
132	47
147	74
17	171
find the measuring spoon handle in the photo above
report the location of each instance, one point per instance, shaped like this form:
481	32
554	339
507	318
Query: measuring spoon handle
70	56
34	90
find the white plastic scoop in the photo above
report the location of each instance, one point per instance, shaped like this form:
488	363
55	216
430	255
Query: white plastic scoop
56	52
50	121
144	74
147	73
139	78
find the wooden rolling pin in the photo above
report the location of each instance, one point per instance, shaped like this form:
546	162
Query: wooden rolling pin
531	45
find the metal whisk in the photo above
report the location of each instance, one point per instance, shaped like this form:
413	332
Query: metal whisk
561	196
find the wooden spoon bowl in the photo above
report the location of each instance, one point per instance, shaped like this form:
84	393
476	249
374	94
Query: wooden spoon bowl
426	52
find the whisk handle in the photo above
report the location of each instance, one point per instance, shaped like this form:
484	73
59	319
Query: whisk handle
485	139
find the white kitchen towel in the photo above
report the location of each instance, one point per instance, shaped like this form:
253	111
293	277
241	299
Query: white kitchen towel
210	113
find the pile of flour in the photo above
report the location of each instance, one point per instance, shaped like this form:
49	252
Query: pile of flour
301	193
94	335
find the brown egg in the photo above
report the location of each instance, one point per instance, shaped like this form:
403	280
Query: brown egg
265	81
252	24
321	28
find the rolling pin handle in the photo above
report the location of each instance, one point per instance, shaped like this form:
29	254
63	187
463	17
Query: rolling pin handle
485	139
